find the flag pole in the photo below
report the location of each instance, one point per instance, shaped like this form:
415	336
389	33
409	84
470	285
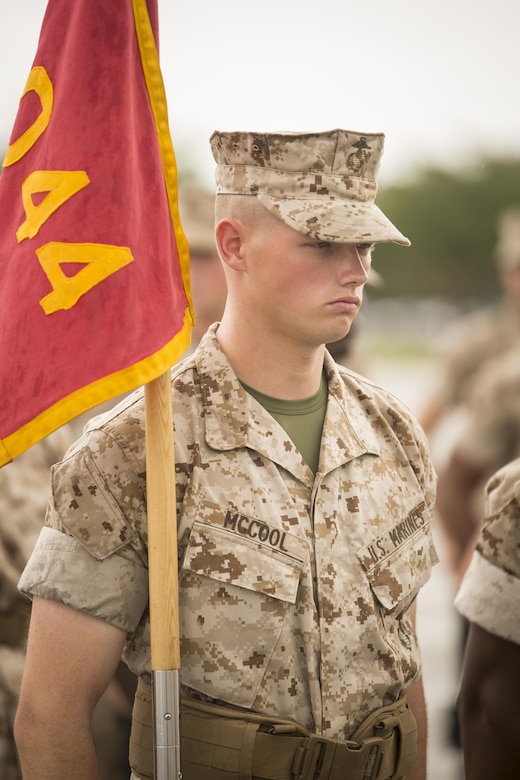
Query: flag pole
163	578
160	465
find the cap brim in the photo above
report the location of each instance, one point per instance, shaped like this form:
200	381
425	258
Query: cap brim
334	220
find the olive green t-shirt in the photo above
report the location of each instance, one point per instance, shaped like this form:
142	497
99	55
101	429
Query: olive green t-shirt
302	420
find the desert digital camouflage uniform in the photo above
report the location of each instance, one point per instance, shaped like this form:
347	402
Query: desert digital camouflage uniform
24	493
294	587
490	591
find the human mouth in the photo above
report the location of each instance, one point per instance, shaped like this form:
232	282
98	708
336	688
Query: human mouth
350	303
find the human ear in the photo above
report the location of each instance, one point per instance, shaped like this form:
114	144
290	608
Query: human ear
228	236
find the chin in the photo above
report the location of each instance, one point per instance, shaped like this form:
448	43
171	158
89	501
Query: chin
337	344
340	332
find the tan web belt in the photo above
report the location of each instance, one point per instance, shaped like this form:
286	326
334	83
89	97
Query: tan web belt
218	745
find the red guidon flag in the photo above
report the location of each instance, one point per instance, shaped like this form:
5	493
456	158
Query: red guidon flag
94	266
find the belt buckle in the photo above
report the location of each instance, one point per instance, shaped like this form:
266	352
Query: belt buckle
369	754
314	758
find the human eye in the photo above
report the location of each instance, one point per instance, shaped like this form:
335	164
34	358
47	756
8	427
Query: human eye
364	249
320	245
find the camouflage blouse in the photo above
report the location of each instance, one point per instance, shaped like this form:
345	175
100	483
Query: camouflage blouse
295	588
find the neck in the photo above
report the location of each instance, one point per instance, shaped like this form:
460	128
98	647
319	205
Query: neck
273	366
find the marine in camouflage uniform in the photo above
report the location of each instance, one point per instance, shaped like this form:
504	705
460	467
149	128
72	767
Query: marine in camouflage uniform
297	583
489	598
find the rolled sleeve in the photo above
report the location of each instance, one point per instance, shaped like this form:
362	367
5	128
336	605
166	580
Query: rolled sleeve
114	589
489	597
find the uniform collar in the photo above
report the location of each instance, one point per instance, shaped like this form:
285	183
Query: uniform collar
234	419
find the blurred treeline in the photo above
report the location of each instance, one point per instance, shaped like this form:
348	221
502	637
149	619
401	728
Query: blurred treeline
451	219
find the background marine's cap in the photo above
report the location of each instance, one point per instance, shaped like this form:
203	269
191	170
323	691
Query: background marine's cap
197	212
320	184
507	250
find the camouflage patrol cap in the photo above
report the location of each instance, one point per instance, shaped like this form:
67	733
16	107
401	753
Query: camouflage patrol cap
507	250
321	184
197	212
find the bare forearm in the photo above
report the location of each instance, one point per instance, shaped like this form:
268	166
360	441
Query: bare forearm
487	705
485	756
55	753
60	690
489	730
56	766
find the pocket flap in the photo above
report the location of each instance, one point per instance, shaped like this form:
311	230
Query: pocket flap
399	561
236	560
80	487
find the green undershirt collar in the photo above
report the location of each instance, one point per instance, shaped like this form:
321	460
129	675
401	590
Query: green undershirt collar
301	419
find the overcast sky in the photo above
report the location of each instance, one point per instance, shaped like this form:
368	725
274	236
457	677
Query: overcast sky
440	79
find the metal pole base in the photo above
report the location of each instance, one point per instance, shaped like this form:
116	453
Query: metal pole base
166	725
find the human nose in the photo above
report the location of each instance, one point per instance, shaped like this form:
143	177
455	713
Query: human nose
354	265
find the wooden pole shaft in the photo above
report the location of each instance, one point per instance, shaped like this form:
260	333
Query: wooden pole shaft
162	526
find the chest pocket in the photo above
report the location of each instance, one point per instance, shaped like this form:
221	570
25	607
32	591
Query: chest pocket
399	562
235	595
